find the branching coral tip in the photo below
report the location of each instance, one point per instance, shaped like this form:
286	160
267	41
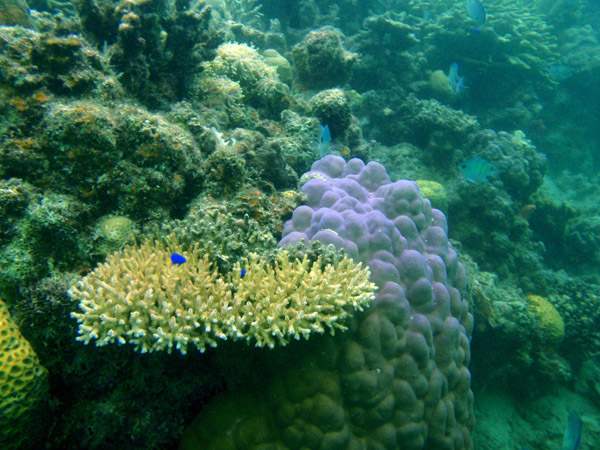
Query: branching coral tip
177	259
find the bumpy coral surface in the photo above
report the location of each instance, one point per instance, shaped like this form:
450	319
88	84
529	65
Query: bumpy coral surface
113	232
550	325
140	296
332	108
399	378
321	60
23	385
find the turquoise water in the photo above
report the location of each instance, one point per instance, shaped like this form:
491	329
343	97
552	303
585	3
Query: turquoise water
188	260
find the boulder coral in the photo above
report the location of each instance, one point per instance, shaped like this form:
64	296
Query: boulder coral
332	108
550	325
399	378
321	61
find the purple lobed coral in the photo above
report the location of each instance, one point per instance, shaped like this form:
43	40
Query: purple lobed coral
398	379
420	326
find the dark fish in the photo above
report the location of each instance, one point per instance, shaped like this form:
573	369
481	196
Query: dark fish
476	169
572	432
177	259
476	11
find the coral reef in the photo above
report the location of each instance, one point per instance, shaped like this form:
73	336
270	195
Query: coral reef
332	108
428	124
24	388
55	59
123	156
551	326
14	12
125	121
232	231
157	46
112	233
321	61
385	42
160	305
240	71
435	193
281	65
240	63
399	376
511	51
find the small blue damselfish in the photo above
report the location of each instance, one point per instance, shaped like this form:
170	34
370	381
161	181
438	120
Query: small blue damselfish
177	259
242	273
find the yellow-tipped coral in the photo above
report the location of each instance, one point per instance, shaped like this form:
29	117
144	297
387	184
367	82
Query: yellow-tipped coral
294	298
139	296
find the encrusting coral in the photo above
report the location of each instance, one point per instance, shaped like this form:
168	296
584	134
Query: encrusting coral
139	296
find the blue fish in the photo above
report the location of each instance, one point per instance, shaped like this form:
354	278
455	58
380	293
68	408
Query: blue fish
324	140
572	432
476	12
457	83
177	259
476	170
242	273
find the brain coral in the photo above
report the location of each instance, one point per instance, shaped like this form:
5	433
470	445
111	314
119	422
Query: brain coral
399	378
23	387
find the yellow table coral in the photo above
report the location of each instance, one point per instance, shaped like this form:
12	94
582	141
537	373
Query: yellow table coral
23	387
139	296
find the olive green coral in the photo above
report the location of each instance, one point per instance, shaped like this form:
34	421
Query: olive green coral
138	296
23	386
550	323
